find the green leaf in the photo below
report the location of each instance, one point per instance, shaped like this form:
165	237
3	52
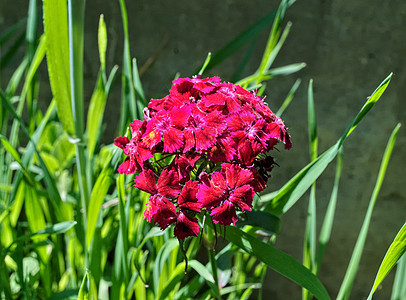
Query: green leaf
280	202
102	40
261	219
138	86
399	287
57	51
352	269
99	192
206	62
11	31
394	253
95	115
7	57
53	193
160	261
82	295
128	100
309	244
289	97
208	277
57	228
10	149
175	277
286	70
239	41
276	260
326	228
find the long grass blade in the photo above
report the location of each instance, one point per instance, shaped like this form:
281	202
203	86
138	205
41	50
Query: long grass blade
95	115
399	286
276	260
129	105
242	39
57	51
346	286
309	244
290	193
394	253
289	97
327	225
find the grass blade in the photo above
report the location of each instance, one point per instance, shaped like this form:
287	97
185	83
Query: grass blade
175	277
239	41
99	192
327	225
206	62
127	93
399	286
352	269
286	70
205	273
394	253
290	193
309	244
11	31
289	97
57	51
95	115
276	260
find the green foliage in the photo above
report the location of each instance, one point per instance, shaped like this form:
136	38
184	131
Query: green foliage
71	228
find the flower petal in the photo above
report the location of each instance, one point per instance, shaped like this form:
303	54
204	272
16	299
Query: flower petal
186	226
168	184
146	182
242	197
187	198
224	214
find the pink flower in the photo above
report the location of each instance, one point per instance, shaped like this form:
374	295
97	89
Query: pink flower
187	198
186	226
202	129
201	126
160	210
167	124
167	185
227	190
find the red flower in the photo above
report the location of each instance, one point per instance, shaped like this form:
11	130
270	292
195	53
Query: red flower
227	190
202	129
167	185
187	198
167	124
201	125
246	127
186	226
160	210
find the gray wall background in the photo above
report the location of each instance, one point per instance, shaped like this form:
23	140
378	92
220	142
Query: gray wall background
349	47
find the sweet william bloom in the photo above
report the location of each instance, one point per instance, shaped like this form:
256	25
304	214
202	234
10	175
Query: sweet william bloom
186	226
160	210
187	198
167	125
201	125
202	129
227	191
167	185
225	99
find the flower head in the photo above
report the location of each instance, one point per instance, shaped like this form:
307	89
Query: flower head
201	149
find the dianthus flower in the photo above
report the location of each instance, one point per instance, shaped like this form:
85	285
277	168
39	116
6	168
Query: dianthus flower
202	149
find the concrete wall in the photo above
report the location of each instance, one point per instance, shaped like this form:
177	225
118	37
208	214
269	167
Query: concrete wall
349	47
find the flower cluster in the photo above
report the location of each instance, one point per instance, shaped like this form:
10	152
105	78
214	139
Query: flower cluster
202	148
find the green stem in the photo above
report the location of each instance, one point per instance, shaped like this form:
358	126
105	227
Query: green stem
212	258
76	16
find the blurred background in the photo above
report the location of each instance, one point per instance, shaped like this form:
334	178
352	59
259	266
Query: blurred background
349	48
